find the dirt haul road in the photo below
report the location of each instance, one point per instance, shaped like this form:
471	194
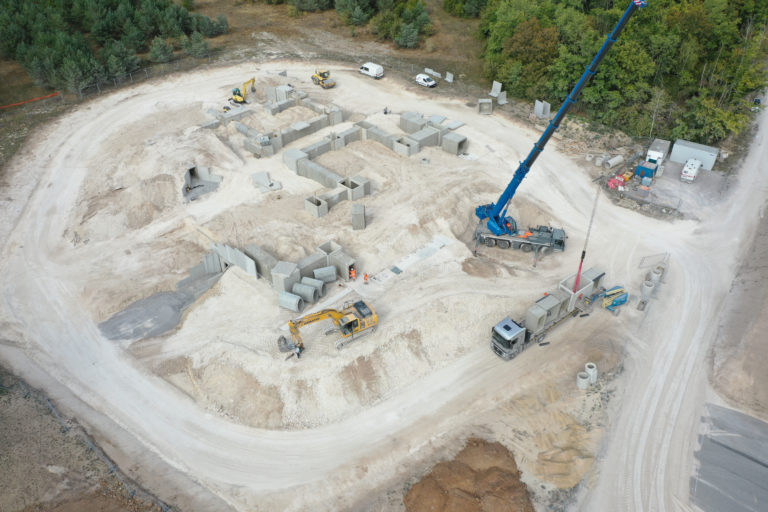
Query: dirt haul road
48	286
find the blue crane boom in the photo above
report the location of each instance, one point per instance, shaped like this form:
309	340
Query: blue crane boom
498	222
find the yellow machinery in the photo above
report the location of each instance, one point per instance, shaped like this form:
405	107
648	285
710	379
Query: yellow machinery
354	321
238	95
322	78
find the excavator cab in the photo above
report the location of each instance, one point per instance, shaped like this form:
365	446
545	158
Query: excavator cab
349	325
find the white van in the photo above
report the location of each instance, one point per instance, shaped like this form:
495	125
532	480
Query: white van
690	170
373	70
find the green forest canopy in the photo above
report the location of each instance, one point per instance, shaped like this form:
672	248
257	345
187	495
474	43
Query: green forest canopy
74	43
687	67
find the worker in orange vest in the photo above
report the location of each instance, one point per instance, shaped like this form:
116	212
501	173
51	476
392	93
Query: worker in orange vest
365	276
352	273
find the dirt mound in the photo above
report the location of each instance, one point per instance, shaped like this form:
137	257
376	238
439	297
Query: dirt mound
482	477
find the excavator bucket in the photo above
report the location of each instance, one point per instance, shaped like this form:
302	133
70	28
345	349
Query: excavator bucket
285	345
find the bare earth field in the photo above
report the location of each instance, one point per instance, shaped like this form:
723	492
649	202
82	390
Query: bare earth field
212	417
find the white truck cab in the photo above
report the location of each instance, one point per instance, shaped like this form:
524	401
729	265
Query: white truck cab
690	170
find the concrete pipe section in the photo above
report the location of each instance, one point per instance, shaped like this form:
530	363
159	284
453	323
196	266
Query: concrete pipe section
647	289
591	370
317	284
325	274
290	301
306	292
582	380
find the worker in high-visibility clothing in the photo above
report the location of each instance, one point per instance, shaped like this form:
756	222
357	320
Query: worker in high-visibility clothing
352	273
365	276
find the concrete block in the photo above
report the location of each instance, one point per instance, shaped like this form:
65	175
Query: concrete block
262	259
495	89
411	122
343	263
231	256
541	109
313	106
484	106
406	146
427	136
354	189
358	216
502	99
314	171
276	141
308	264
293	157
328	247
246	130
377	134
284	275
301	127
454	143
288	135
365	183
271	108
454	125
316	206
337	143
258	149
364	127
449	77
210	125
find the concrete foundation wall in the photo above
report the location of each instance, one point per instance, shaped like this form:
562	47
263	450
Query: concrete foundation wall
406	146
317	206
334	197
335	115
262	259
343	262
284	275
314	171
292	158
353	134
318	148
354	188
232	256
318	123
234	114
246	130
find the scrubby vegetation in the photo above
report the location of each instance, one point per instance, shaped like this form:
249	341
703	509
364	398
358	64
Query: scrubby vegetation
686	67
73	43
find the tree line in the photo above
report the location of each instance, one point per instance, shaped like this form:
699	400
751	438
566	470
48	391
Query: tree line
70	44
681	68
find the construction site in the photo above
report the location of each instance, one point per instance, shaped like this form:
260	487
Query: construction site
259	291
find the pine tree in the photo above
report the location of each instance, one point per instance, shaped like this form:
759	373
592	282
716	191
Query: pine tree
159	50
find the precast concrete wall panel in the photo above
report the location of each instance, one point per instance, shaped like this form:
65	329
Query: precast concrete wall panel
308	264
358	216
454	143
315	107
301	128
363	182
405	146
284	275
355	189
326	274
264	261
236	257
212	263
318	123
318	173
318	148
210	125
293	157
335	116
234	114
353	134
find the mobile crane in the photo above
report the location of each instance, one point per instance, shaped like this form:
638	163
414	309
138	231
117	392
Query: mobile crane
509	338
495	226
356	319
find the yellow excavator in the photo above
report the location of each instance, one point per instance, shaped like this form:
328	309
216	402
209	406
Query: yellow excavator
322	77
355	320
238	95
